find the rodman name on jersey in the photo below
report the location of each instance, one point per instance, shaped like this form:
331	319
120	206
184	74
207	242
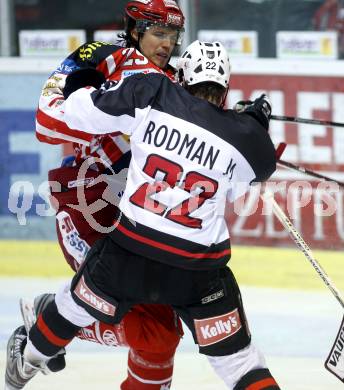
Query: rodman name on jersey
188	156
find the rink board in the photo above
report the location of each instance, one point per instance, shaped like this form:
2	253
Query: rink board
253	266
309	89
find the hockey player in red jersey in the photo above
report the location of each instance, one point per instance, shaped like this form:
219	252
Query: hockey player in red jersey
171	244
152	332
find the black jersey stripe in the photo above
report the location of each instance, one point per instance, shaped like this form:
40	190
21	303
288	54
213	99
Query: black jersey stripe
169	249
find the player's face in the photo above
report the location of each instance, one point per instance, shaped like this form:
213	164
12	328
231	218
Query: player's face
158	43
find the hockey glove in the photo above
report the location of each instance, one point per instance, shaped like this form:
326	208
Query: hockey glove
84	77
260	109
54	85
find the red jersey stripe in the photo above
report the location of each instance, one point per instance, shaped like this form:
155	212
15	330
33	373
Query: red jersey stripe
169	248
59	126
50	336
263	384
49	140
111	150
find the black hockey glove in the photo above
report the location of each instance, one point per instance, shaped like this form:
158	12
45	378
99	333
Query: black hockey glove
84	77
260	109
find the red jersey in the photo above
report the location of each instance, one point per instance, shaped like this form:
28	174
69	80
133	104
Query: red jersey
115	63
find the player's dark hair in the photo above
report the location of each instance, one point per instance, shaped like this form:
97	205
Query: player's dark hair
126	37
208	90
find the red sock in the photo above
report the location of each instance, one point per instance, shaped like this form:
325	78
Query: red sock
147	371
153	333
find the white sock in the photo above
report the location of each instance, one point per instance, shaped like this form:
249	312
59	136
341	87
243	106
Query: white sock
232	368
32	355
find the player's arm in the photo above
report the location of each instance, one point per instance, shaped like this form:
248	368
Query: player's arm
121	105
49	116
256	145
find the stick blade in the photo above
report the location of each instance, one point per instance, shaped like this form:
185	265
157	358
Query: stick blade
335	361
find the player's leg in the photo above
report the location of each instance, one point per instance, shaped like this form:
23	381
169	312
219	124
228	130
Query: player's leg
79	304
152	333
29	354
76	236
152	346
219	326
18	371
149	331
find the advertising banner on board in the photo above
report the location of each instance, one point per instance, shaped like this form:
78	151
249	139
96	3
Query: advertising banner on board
50	43
108	36
315	207
307	45
238	43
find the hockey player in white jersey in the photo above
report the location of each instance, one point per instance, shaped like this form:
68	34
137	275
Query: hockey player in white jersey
171	244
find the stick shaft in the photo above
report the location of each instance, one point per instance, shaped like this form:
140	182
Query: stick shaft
308	172
299	241
307	121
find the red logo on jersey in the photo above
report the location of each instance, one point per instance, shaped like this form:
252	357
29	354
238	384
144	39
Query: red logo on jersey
212	330
68	224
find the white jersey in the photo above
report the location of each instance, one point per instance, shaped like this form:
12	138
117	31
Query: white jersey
188	157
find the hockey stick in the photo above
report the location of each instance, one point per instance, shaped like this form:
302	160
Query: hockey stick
304	120
308	172
299	241
335	360
280	150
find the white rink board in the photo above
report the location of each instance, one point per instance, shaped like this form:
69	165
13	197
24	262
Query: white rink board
294	329
256	66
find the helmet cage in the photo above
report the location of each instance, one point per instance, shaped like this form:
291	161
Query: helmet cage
143	25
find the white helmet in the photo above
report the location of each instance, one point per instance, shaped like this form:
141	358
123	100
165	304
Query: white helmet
202	62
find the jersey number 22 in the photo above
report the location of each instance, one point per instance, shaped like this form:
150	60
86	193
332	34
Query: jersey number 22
199	186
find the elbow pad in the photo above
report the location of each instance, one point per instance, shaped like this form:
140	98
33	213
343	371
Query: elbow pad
84	77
